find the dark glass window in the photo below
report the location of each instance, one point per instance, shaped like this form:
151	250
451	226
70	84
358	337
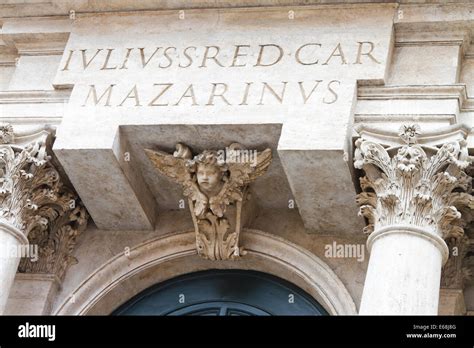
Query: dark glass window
223	292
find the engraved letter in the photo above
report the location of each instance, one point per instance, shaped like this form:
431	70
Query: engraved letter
166	87
272	91
298	58
106	62
332	92
142	56
66	66
125	61
166	55
213	94
334	54
368	54
237	54
191	95
206	56
86	63
186	54
303	92
93	92
133	94
260	55
246	93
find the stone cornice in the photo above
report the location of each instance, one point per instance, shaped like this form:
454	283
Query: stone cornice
36	44
419	10
31	97
429	92
456	133
39	277
19	9
433	34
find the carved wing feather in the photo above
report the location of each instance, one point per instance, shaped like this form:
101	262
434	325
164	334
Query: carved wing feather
241	174
169	165
245	173
264	159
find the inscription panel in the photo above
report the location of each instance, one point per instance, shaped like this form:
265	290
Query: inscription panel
293	66
250	68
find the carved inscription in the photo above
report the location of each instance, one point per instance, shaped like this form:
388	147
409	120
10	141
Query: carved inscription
258	60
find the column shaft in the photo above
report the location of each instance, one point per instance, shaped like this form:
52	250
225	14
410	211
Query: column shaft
404	272
412	194
11	240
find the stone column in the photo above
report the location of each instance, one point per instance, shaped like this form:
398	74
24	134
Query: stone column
34	205
11	240
410	197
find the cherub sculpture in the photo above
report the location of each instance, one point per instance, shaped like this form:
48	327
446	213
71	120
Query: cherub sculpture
213	181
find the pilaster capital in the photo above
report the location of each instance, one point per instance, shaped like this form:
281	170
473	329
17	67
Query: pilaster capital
35	201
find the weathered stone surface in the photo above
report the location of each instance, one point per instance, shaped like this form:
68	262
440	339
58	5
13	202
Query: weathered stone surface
451	302
32	294
216	183
225	77
305	204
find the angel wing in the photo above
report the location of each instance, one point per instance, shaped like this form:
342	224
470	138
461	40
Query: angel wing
241	174
169	165
247	172
174	167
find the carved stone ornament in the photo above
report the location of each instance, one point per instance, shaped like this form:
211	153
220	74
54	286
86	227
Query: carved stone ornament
6	133
458	270
213	181
414	184
34	200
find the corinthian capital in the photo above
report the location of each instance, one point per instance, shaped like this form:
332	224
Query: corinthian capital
412	181
34	200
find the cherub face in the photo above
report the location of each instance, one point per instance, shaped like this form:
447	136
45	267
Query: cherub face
208	176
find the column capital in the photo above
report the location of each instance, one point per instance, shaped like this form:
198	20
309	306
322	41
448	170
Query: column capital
414	180
35	202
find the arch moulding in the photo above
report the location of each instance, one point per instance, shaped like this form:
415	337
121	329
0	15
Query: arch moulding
169	256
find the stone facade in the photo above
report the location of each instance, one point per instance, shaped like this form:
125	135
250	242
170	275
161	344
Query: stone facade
327	143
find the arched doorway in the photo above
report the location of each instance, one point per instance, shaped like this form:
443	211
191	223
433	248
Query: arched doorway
166	257
223	292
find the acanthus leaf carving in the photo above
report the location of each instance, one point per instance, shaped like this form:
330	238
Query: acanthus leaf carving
413	184
56	242
34	200
6	133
